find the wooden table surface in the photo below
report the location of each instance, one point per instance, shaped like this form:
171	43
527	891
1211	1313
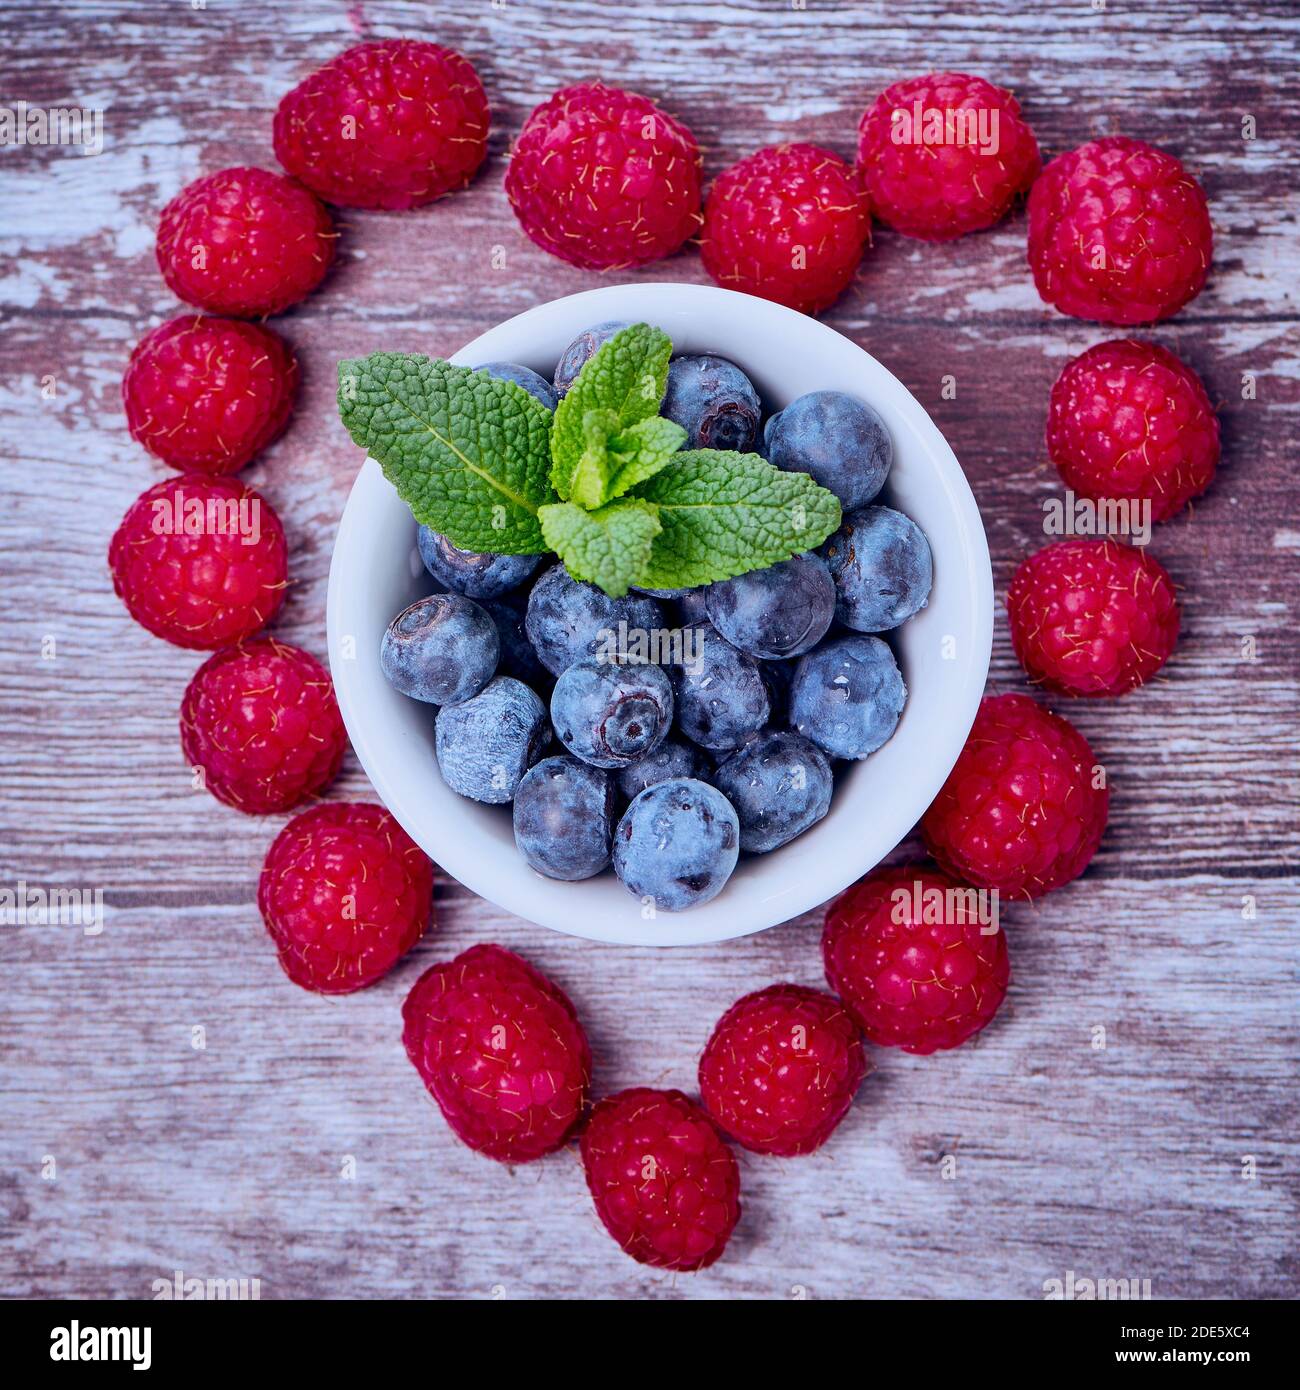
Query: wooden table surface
126	1152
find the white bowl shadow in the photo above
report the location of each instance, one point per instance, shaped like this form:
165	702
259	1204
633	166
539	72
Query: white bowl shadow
944	651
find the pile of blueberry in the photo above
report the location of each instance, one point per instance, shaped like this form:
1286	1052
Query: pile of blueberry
691	724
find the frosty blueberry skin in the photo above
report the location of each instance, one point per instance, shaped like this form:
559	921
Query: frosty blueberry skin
775	613
671	759
537	386
692	604
472	573
836	438
677	844
722	697
581	350
568	620
611	714
442	649
517	658
847	696
564	818
780	785
713	401
881	564
486	744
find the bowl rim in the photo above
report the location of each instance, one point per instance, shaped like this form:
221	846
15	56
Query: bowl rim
454	850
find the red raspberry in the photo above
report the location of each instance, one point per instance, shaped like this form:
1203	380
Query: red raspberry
665	1185
781	1069
208	394
1119	232
1020	811
501	1051
262	722
787	223
912	961
922	152
345	893
604	179
1092	617
391	124
200	562
244	242
1129	420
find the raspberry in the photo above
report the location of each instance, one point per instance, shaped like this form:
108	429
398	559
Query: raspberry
787	223
345	893
945	154
1129	420
665	1185
1119	232
208	394
201	562
604	179
1092	617
1021	810
391	124
262	723
501	1051
781	1069
244	242
912	961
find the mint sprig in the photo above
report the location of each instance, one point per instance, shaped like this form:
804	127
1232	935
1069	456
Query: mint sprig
722	514
609	546
469	454
603	483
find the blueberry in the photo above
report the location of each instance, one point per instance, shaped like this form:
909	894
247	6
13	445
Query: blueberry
564	818
473	573
693	605
847	696
441	649
580	351
882	567
611	713
568	620
537	386
721	696
486	744
713	401
670	759
840	440
780	785
677	844
518	658
776	613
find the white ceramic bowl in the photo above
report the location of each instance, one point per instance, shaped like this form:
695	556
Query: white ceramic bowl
943	651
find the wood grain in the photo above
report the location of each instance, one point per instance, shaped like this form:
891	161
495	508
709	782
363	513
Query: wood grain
225	1161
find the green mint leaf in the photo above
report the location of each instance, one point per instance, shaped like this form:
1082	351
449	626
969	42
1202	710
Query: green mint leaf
724	514
640	451
609	546
626	375
469	454
590	478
